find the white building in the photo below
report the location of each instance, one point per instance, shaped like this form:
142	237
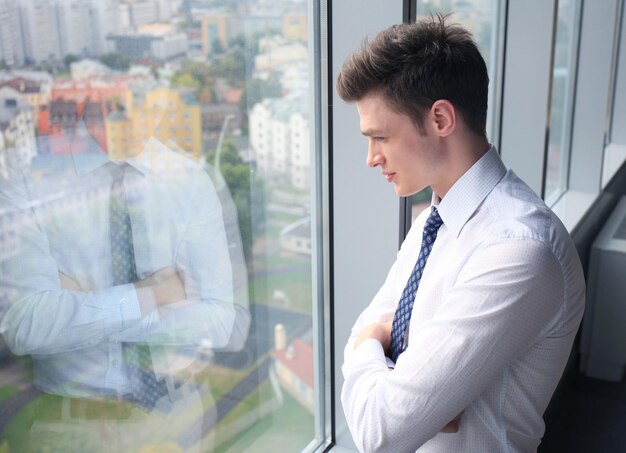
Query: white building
11	45
17	131
300	156
83	25
38	21
169	46
296	237
136	13
47	30
104	21
279	137
73	23
86	68
278	57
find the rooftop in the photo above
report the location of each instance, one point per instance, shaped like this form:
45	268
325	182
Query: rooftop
298	357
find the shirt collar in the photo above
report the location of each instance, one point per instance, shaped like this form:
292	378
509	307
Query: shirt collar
469	191
85	163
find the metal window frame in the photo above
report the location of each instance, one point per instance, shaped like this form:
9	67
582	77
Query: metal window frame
364	221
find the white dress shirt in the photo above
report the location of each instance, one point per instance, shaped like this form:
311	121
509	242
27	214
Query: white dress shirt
59	216
495	315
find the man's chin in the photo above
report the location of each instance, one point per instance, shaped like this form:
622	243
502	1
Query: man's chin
407	192
402	192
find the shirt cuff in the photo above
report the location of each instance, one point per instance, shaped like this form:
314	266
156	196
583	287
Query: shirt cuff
145	297
122	301
368	352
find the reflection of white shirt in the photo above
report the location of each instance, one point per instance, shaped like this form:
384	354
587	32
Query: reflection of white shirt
75	337
495	315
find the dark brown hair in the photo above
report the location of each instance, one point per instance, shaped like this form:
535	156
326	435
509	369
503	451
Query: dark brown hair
414	65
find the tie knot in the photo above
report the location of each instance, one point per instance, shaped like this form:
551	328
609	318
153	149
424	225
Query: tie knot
117	170
434	219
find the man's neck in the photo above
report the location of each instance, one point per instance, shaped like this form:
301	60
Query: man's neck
461	153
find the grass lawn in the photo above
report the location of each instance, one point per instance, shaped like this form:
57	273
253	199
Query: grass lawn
7	392
295	285
287	272
221	380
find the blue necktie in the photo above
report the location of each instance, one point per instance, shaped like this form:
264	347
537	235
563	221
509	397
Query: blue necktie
123	267
405	306
145	389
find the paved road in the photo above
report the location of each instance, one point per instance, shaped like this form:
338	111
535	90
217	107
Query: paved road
225	405
258	346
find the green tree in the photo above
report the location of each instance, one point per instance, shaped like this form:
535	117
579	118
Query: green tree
232	67
69	59
115	60
254	92
258	89
185	80
246	191
194	74
216	46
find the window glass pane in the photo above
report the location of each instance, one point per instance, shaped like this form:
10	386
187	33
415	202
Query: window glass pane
480	17
615	151
561	104
617	133
155	229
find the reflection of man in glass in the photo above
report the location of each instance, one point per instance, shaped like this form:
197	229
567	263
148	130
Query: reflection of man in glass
120	270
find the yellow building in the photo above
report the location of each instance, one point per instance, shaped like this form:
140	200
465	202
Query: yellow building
172	117
295	26
215	27
119	135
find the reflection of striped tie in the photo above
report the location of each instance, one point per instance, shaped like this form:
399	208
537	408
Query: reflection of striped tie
145	390
123	265
405	306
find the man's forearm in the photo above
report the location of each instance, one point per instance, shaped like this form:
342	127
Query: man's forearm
162	288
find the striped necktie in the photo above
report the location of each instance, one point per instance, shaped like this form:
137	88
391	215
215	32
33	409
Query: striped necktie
145	389
405	306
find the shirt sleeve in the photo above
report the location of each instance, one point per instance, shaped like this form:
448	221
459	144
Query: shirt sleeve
504	299
202	258
38	316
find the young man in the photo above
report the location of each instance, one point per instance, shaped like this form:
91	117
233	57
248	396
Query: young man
466	357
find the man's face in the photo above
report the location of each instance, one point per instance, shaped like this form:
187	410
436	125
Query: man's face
405	156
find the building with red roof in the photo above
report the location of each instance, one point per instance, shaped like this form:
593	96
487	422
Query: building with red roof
294	368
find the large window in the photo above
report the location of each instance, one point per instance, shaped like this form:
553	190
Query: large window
562	102
157	229
615	151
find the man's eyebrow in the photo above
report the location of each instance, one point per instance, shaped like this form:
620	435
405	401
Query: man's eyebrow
370	132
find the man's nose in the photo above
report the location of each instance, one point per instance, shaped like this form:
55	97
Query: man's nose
374	157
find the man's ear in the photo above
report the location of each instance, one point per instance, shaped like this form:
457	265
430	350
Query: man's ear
443	117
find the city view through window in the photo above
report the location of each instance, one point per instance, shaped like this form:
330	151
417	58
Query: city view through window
155	226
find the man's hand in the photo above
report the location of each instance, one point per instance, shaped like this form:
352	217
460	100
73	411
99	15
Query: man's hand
68	283
379	331
453	426
165	285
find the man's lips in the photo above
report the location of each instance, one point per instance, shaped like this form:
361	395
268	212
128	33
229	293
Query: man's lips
389	176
